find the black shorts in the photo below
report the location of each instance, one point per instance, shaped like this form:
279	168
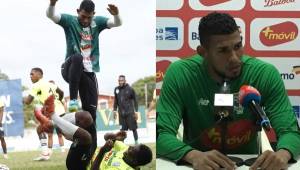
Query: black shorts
79	157
1	133
128	122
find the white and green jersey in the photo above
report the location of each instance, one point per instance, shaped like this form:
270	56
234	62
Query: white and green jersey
84	41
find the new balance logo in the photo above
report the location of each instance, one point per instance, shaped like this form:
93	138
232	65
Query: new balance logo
84	157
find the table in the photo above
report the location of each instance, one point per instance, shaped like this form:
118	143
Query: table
162	164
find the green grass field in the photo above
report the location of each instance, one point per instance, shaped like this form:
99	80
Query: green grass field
24	161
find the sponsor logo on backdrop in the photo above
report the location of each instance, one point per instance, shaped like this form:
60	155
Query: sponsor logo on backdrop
169	33
287	70
169	4
275	34
7	114
212	3
13	117
279	33
287	76
230	5
269	3
276	5
297	111
161	67
296	69
162	64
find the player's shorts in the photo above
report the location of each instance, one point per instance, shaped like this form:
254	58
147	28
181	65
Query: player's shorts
128	122
79	157
59	107
1	132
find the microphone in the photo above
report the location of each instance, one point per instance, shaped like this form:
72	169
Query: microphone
250	97
223	101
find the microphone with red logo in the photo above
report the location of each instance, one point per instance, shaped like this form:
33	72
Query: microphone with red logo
249	97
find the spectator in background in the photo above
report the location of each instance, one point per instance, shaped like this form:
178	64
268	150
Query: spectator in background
3	143
152	107
126	105
40	91
58	131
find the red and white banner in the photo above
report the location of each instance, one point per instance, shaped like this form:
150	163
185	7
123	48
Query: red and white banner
270	29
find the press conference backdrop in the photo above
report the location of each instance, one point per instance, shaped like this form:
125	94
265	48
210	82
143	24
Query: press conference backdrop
270	29
13	118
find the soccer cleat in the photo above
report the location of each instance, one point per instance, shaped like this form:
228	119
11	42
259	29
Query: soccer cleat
5	156
50	151
42	157
3	167
73	105
63	150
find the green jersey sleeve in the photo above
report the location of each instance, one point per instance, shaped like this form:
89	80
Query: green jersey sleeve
101	22
280	112
170	108
65	20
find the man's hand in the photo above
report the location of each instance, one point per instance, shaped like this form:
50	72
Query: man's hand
112	9
136	115
120	136
272	160
208	160
115	114
53	2
108	145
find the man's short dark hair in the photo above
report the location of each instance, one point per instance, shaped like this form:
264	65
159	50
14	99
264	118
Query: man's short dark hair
215	24
123	76
37	69
87	6
144	156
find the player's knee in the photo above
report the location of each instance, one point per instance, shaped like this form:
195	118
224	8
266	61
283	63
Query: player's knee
59	135
77	58
84	119
87	138
39	130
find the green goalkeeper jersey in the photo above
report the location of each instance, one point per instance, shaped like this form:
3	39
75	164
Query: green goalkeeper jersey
187	96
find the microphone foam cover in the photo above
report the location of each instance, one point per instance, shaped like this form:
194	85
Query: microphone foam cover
247	94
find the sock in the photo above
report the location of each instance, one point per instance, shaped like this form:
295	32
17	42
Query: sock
70	117
135	135
44	146
66	127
